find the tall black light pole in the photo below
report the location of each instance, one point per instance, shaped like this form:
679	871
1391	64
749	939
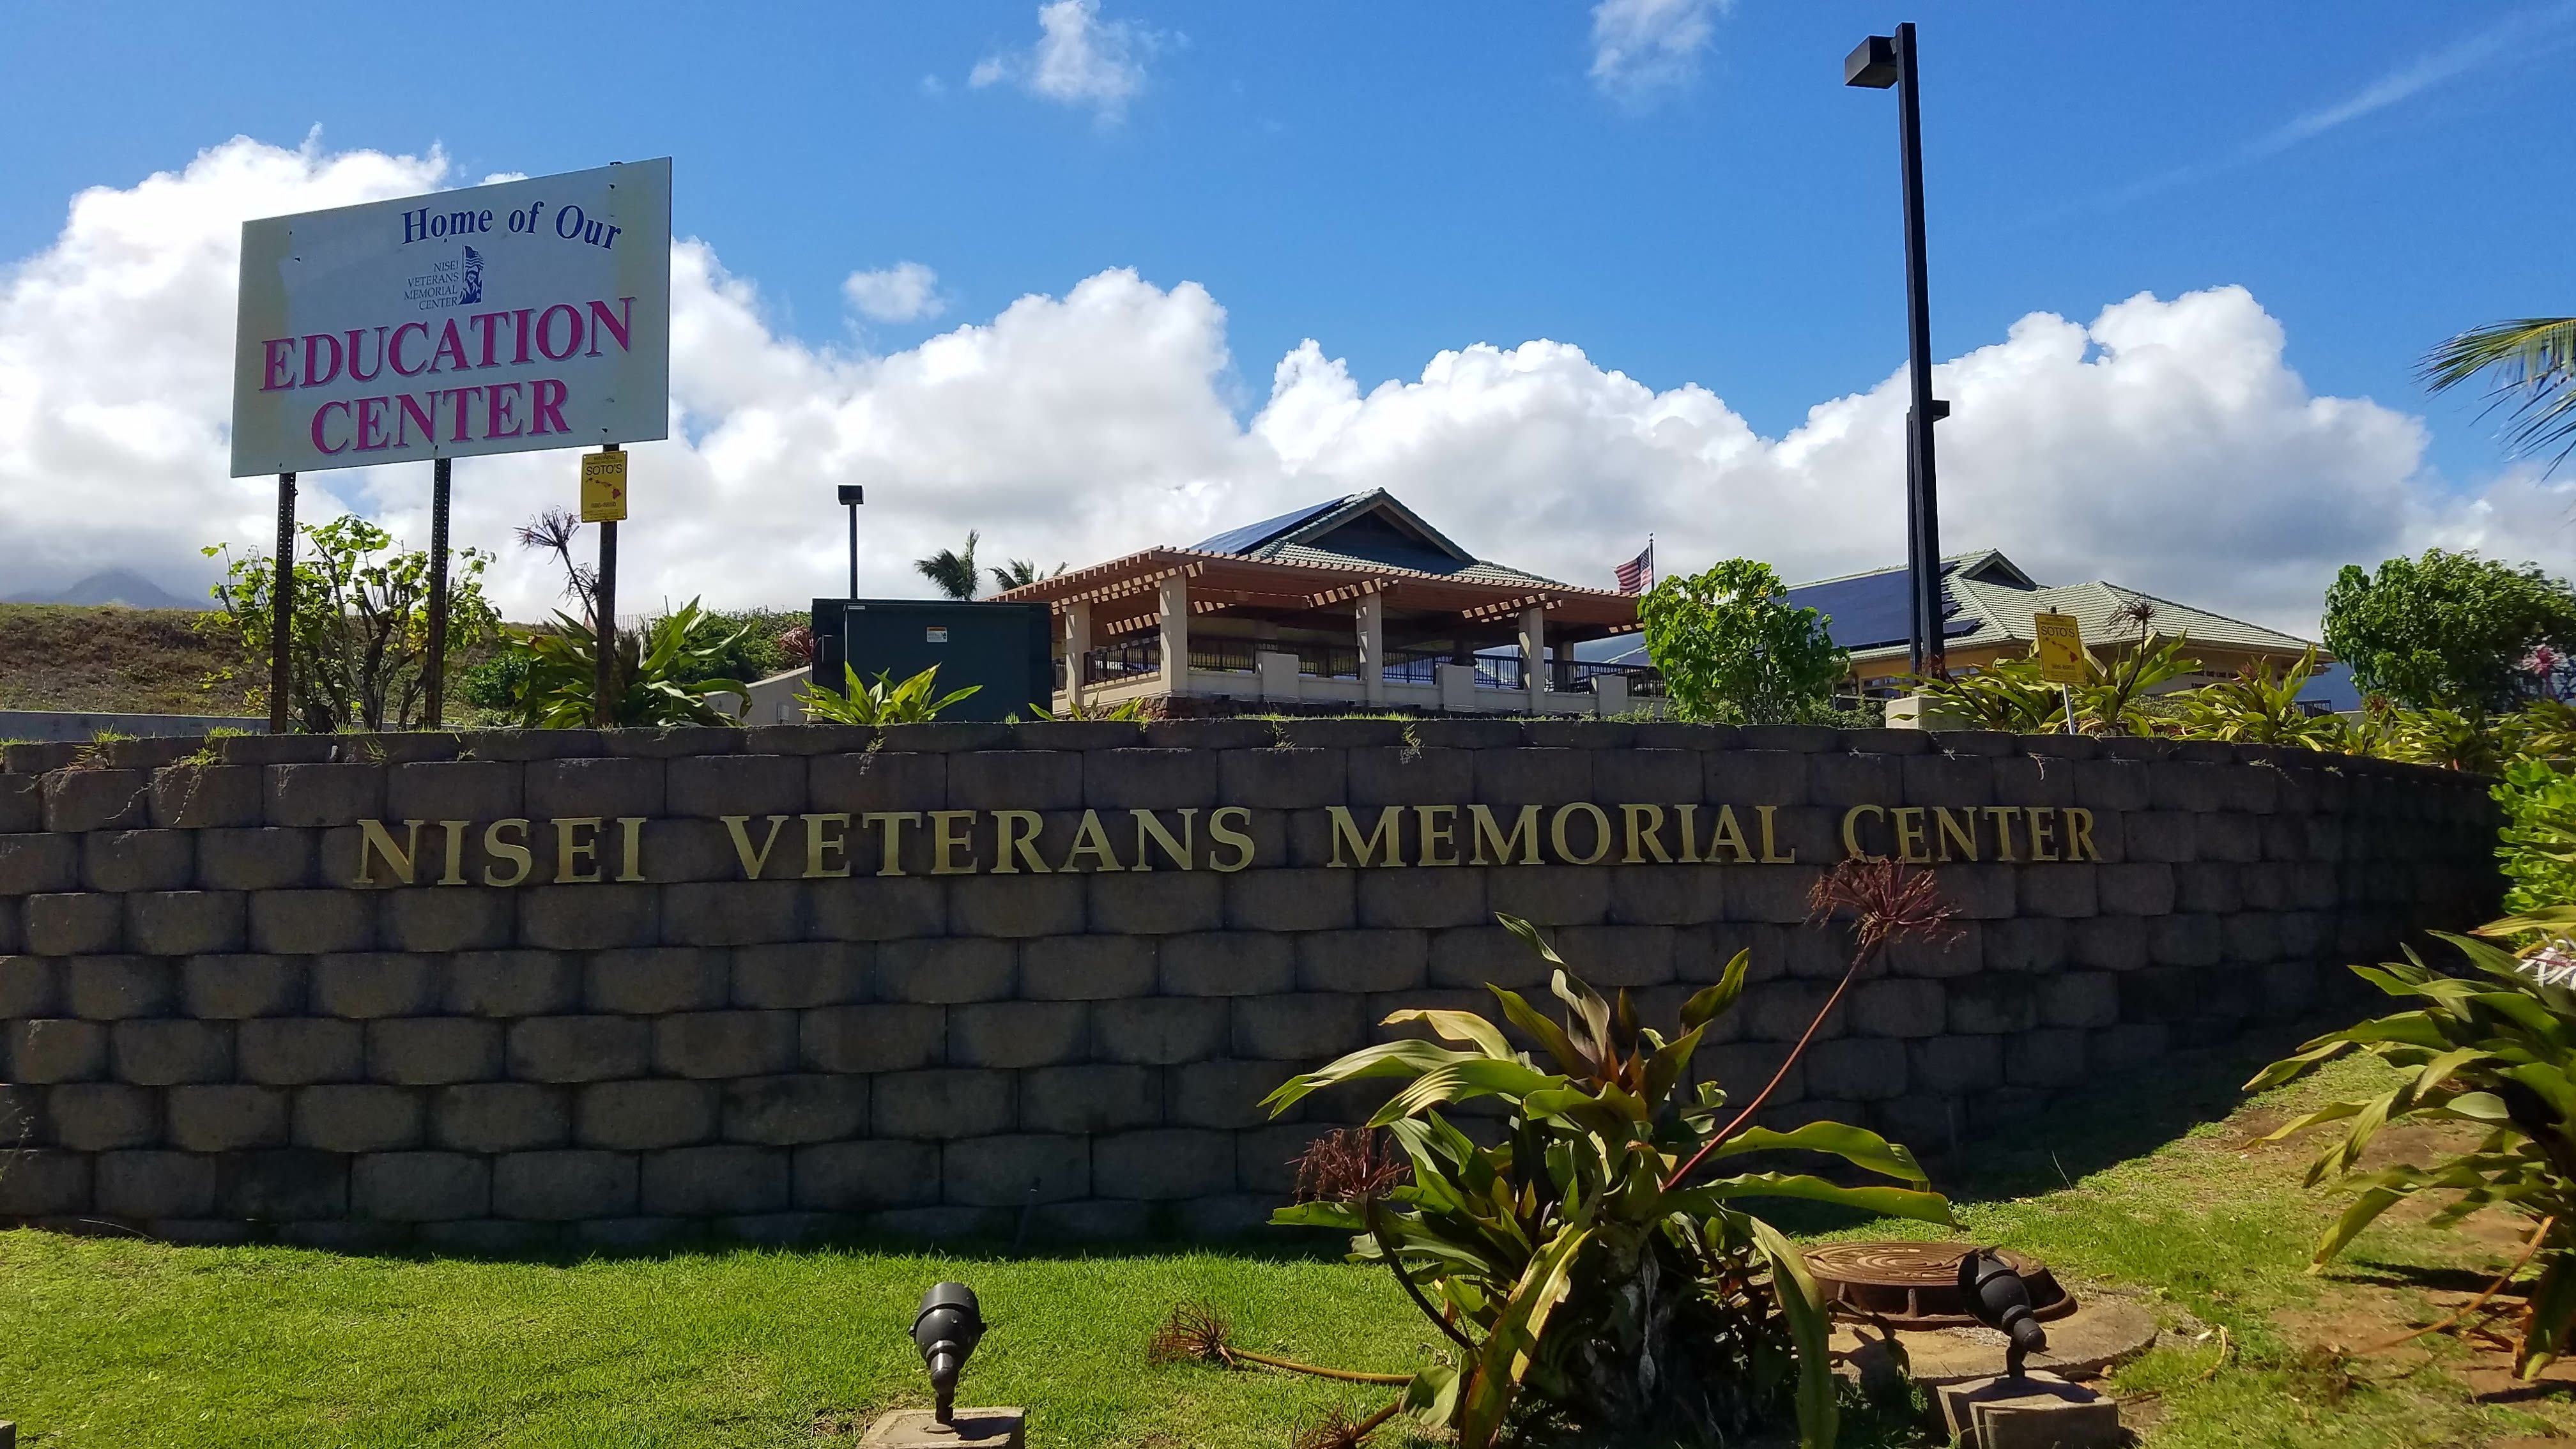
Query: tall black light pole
1877	63
852	495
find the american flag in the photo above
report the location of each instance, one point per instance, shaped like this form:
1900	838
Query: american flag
1638	573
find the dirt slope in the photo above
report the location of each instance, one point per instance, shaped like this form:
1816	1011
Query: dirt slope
55	656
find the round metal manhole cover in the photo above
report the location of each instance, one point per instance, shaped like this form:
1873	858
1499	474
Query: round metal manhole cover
1916	1285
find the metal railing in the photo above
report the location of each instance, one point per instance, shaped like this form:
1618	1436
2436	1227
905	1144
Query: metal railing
1500	670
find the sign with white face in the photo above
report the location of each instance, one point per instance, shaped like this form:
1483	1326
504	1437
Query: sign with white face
497	319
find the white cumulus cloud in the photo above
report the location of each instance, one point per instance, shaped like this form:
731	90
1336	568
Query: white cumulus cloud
904	292
1641	47
1079	59
2164	443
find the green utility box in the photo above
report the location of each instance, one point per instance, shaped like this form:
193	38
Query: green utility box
1001	647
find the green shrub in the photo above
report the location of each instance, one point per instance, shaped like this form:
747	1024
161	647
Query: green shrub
2540	817
1733	651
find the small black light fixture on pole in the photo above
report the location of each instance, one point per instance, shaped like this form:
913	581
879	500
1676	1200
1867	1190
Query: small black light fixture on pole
1877	63
852	495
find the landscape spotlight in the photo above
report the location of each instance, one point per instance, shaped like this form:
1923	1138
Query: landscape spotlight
946	1330
2001	1300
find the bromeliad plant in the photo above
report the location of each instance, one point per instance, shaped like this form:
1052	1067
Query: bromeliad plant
1586	1269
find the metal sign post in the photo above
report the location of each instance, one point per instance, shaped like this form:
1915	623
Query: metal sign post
603	501
281	606
434	669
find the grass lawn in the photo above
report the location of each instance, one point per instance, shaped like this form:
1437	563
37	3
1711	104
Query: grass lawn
125	1343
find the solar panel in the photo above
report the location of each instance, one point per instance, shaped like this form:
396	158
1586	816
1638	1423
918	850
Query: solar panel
1872	611
1236	540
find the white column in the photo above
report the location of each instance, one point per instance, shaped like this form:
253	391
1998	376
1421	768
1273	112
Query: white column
1372	620
1176	635
1534	652
1077	648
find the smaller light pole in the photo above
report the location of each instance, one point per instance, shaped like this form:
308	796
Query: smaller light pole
852	495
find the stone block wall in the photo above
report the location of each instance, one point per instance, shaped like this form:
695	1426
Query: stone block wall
645	983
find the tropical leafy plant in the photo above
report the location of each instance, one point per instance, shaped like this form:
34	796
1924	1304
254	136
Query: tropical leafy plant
1132	711
358	635
662	673
2008	694
2115	699
915	701
2545	729
2533	361
1733	650
952	570
1586	1276
2495	1051
2258	707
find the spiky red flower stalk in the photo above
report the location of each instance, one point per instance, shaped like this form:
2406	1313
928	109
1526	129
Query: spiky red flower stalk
1887	903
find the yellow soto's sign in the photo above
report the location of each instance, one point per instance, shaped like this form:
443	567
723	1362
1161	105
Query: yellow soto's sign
603	487
2058	643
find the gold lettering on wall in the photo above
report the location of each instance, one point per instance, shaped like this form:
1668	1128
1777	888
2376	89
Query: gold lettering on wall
455	872
1091	840
1222	832
630	843
1523	837
2042	845
826	835
1150	831
752	860
514	851
1729	837
569	852
1771	852
2003	816
1556	833
2079	835
1911	847
947	837
1386	840
1016	832
892	822
1645	825
1578	832
1851	832
375	842
1439	826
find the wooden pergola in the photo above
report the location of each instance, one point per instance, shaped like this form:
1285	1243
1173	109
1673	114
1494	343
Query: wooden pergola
1273	606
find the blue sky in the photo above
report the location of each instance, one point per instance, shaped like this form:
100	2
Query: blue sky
1395	180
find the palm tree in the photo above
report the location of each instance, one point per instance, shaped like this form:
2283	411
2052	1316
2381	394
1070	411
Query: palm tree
2534	363
951	569
1019	571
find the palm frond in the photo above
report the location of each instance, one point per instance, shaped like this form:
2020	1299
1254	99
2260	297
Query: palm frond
953	570
2533	362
